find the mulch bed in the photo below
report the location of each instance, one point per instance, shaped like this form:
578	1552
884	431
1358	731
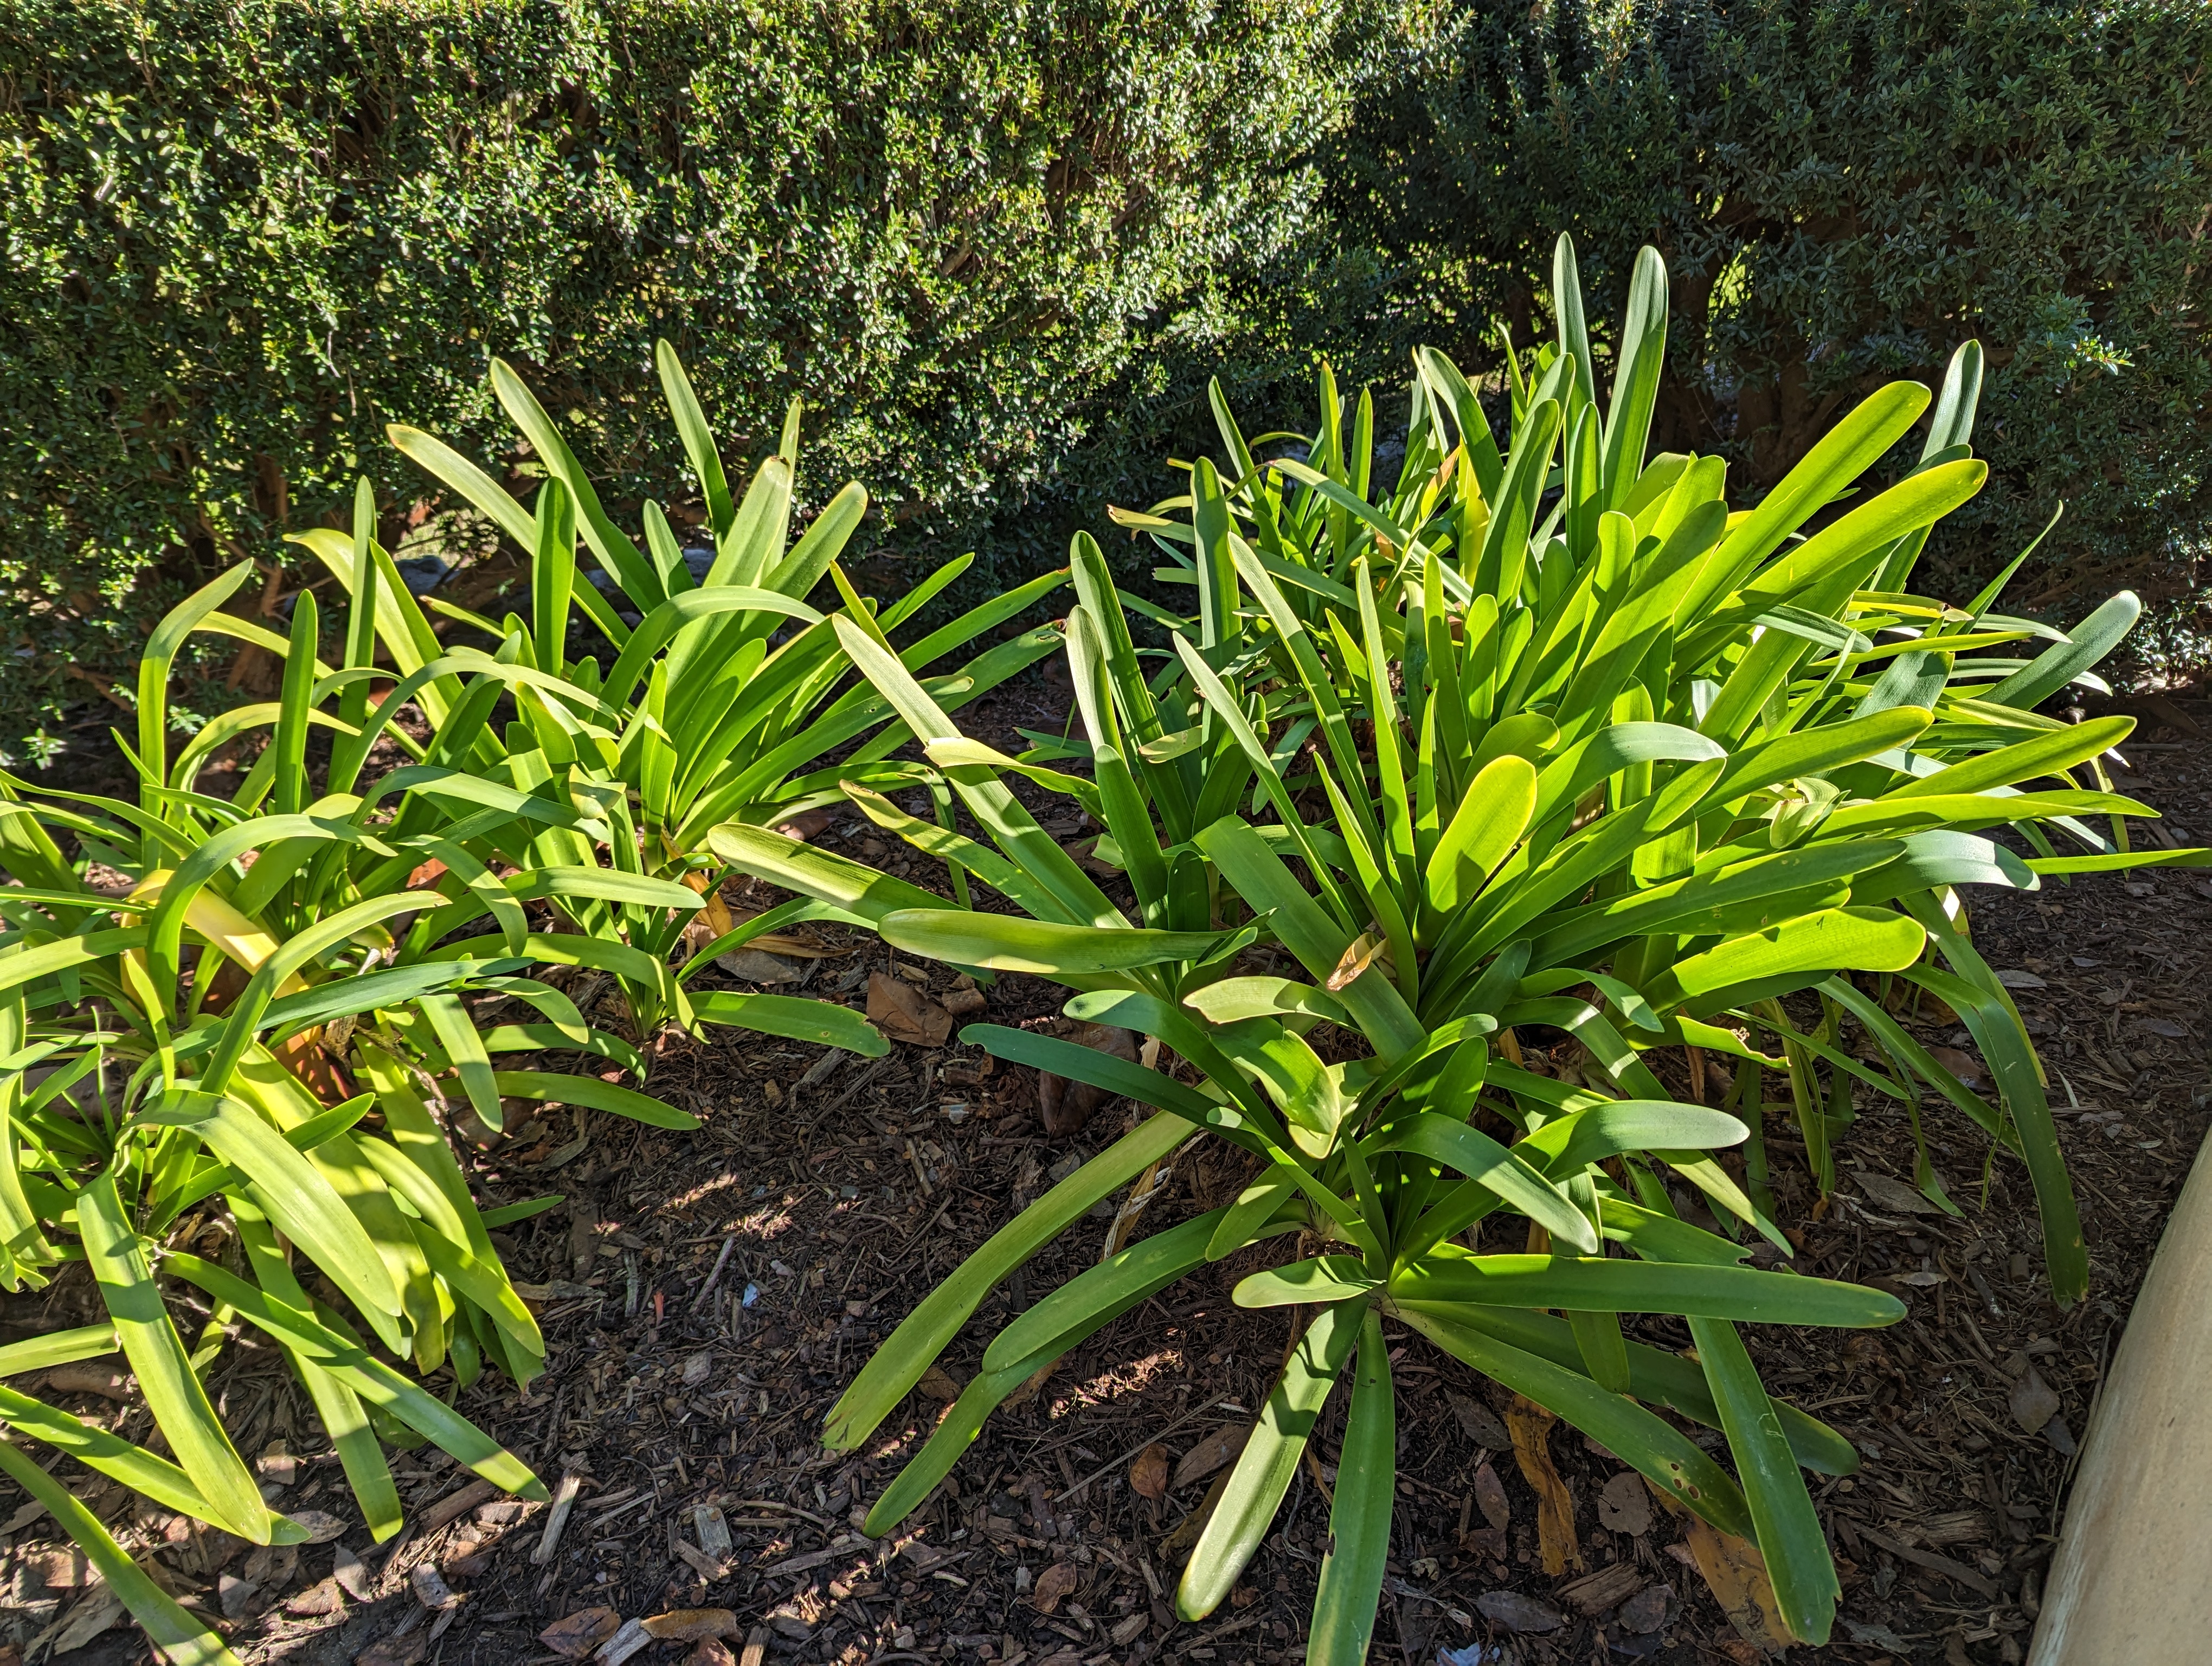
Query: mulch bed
708	1296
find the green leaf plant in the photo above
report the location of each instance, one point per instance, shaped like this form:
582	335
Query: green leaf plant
725	691
1544	743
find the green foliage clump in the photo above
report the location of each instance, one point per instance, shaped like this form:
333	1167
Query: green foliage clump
1843	194
244	235
1443	767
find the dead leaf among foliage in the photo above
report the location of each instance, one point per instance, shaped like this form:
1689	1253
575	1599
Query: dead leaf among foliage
1735	1574
1478	1423
1065	1106
689	1625
1148	1475
905	1014
1517	1613
1210	1454
1894	1195
2033	1404
1624	1505
1490	1497
1530	1426
1055	1586
580	1632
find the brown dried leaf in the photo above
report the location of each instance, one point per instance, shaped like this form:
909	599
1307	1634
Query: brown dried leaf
1490	1497
1055	1586
1624	1506
580	1632
1735	1574
1478	1423
689	1625
1530	1426
939	1384
961	1002
1517	1613
711	1652
322	1526
1067	1106
1210	1454
316	1601
905	1014
1148	1475
2033	1404
89	1377
353	1575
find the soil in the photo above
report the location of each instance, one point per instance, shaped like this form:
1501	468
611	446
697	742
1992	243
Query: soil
706	1297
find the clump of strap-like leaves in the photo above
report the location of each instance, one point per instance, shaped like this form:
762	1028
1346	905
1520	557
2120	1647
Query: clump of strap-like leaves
1454	756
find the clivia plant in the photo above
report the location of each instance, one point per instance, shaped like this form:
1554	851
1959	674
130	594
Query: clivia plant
1541	737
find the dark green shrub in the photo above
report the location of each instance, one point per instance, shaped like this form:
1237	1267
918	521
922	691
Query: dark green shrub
242	236
1844	193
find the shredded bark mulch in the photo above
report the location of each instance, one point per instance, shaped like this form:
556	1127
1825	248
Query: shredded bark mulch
708	1296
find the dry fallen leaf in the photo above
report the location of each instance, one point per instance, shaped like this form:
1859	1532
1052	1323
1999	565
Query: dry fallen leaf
316	1601
322	1526
1055	1586
1530	1426
905	1014
1490	1497
1624	1505
1516	1613
1148	1475
939	1384
1478	1423
580	1632
1735	1574
689	1625
352	1575
1884	1193
2033	1404
89	1377
1210	1454
1065	1106
712	1651
961	1002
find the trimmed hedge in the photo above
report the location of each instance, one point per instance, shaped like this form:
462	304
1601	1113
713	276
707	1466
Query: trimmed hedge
241	235
1001	249
1843	192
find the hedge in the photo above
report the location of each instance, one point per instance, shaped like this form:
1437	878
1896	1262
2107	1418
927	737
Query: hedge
241	235
1000	249
1843	192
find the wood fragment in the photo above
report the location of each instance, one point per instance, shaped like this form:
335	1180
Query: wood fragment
557	1518
623	1643
456	1505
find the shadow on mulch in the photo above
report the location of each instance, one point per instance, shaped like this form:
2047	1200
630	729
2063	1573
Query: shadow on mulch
709	1296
